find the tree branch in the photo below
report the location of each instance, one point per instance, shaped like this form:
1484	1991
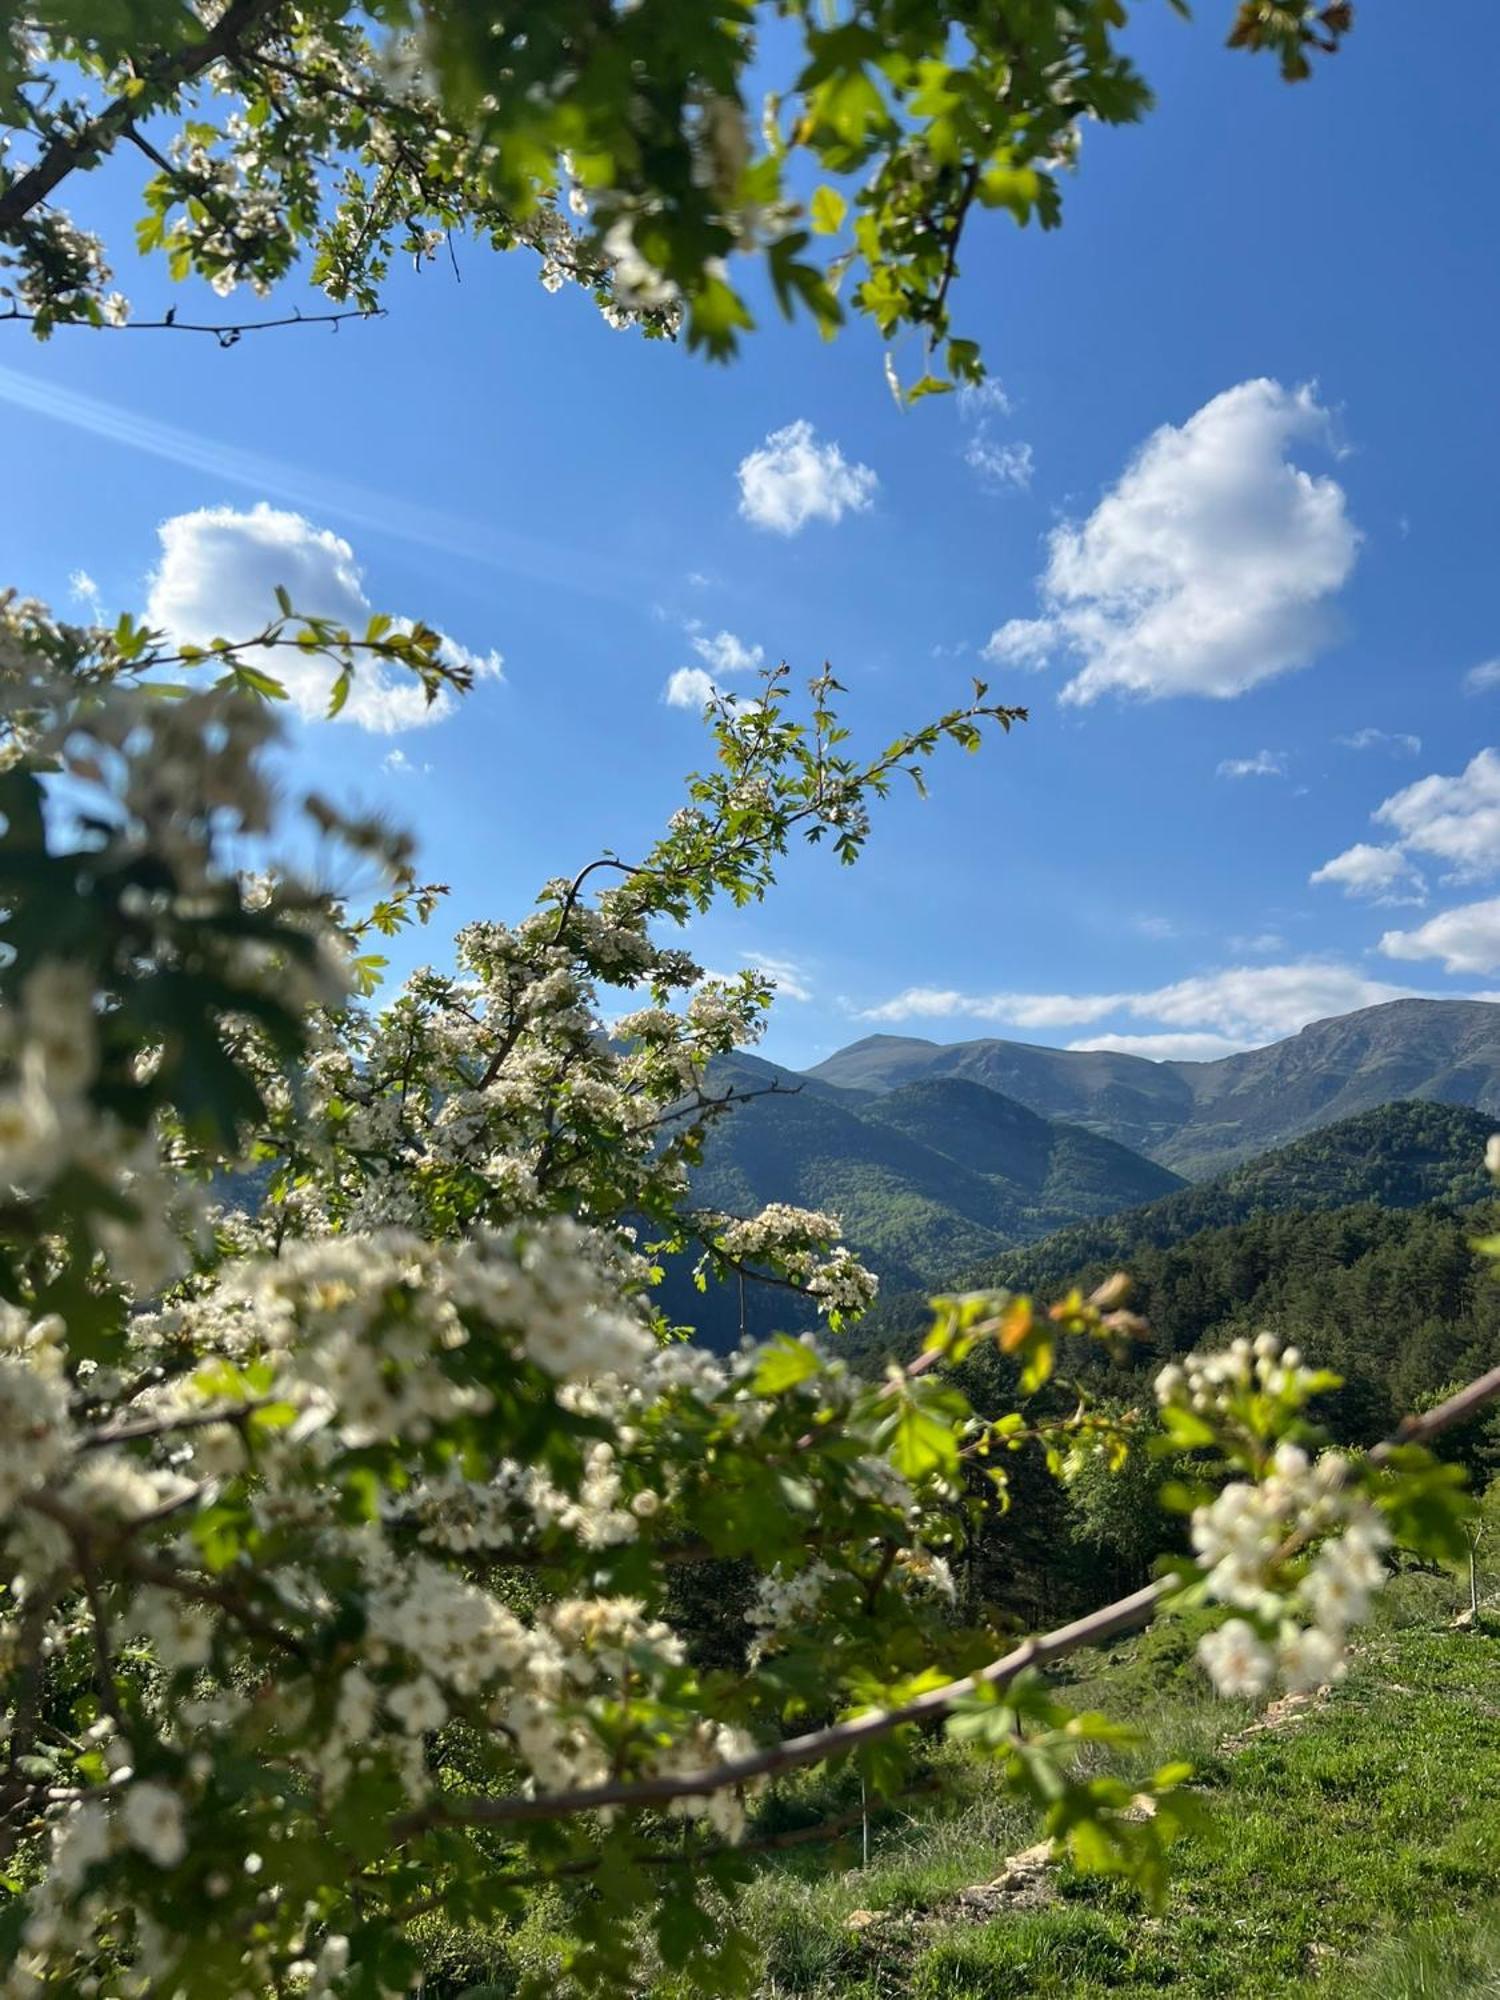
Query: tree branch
227	333
1126	1614
74	149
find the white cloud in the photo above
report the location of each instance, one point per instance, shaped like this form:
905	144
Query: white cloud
792	479
1455	818
1264	764
218	576
1466	939
83	590
1029	643
1376	874
1000	465
1166	1048
1019	1010
977	400
790	978
1399	744
689	687
401	766
1246	1005
1208	568
725	654
1480	679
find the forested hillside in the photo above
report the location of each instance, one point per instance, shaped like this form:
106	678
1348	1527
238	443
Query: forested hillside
1355	1243
928	1180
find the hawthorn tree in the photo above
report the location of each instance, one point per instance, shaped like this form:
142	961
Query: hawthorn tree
644	151
348	1460
348	1463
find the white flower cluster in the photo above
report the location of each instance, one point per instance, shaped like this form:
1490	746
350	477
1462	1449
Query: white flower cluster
796	1241
1208	1383
1249	1536
36	1438
783	1601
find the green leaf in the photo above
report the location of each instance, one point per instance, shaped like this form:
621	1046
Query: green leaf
828	209
784	1364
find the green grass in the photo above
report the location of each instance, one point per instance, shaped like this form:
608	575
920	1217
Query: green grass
1357	1857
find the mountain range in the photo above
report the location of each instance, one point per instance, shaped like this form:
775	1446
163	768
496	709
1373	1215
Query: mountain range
1200	1117
944	1161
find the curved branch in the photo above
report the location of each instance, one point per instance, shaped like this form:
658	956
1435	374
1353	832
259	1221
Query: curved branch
1126	1614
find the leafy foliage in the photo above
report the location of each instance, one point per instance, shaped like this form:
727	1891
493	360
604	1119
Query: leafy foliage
634	150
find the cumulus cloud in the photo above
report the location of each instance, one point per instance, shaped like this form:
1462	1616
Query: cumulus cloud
1373	874
1480	679
1399	744
218	575
1457	819
1209	567
723	653
1264	764
792	479
1466	939
401	766
85	591
1242	1006
689	687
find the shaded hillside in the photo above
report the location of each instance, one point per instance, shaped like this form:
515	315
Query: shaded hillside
1402	1156
1201	1117
927	1180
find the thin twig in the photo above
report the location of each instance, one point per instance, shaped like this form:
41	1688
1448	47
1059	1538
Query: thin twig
228	334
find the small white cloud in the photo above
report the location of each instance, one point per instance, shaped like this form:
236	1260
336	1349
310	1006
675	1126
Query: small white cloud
725	654
1264	764
1029	643
218	575
790	978
1374	874
978	400
1466	939
793	478
1000	465
689	687
1209	567
401	766
1156	927
1166	1048
83	590
1480	679
1455	818
1399	744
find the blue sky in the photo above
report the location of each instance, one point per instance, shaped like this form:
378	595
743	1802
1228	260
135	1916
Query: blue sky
1231	510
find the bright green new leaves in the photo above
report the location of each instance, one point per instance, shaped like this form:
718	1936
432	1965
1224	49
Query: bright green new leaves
650	153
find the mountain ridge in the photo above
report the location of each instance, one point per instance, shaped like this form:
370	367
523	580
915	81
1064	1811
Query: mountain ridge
1200	1117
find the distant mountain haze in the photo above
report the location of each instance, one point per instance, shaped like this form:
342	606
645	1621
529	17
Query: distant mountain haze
1199	1117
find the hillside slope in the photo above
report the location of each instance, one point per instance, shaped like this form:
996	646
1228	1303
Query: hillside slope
928	1179
1201	1117
1278	1232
